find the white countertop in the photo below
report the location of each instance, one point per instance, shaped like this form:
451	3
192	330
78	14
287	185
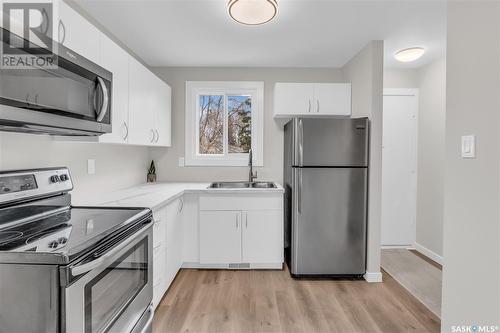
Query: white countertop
154	195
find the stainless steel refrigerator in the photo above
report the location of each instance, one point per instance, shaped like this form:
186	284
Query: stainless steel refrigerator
326	179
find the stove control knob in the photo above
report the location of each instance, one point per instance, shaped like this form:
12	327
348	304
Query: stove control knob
53	244
54	179
63	178
62	240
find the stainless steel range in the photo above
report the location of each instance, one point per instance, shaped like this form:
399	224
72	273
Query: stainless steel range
70	269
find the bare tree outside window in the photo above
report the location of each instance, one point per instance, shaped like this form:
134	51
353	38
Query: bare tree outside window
239	124
212	120
211	124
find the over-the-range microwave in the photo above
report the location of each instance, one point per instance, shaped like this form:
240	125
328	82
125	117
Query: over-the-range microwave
71	98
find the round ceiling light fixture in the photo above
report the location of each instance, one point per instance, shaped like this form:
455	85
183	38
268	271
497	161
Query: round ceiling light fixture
410	54
252	12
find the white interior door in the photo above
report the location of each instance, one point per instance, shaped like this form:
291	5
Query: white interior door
399	167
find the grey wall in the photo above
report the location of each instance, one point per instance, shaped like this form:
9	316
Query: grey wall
167	159
365	72
431	156
471	274
116	166
431	82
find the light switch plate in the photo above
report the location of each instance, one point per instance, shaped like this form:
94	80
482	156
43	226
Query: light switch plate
468	146
181	161
91	166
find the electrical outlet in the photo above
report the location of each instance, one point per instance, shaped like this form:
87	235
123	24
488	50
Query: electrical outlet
91	166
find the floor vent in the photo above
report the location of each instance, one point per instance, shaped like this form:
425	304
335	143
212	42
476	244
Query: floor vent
239	266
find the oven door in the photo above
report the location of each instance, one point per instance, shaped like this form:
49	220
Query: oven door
113	292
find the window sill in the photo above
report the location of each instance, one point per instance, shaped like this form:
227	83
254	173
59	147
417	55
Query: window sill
198	162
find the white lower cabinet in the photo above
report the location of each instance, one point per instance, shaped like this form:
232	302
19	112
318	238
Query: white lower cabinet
216	231
262	237
174	240
159	255
253	236
167	247
220	237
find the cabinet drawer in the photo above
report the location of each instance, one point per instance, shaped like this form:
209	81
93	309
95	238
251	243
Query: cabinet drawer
158	263
158	233
241	202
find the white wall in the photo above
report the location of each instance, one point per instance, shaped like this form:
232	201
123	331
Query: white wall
400	78
167	159
431	82
471	274
116	166
365	72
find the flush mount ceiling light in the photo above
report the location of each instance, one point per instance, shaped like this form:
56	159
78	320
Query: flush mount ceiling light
252	12
409	55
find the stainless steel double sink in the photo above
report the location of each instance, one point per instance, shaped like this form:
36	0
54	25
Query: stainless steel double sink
242	185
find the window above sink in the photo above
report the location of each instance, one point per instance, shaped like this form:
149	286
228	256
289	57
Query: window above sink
224	120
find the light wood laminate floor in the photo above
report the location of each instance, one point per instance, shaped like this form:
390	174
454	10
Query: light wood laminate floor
421	278
271	301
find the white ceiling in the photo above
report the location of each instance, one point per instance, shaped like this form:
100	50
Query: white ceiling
305	33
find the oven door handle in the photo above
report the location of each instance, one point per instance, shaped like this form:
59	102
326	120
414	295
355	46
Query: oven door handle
147	326
105	100
87	267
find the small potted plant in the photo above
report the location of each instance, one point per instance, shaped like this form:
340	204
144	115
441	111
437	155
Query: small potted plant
152	173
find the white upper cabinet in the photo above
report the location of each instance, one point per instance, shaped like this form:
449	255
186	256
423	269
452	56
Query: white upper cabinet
312	99
162	110
76	33
332	99
141	103
293	98
115	59
149	107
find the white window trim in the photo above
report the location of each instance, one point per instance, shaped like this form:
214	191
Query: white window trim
196	88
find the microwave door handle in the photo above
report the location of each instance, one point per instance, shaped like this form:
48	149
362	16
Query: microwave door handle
87	267
105	101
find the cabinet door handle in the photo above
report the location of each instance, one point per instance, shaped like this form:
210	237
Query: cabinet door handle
152	136
126	131
246	220
237	221
182	205
62	28
317	103
309	106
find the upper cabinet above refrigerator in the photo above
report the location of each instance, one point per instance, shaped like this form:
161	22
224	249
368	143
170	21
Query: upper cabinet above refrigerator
312	99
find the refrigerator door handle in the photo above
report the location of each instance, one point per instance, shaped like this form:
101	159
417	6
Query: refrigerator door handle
301	143
299	191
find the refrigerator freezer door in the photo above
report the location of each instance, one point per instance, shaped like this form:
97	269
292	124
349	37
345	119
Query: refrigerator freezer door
330	142
329	221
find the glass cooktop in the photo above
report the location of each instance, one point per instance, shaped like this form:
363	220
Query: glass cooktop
71	232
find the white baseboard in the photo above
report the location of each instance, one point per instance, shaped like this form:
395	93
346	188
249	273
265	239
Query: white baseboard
388	247
196	265
373	276
428	253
